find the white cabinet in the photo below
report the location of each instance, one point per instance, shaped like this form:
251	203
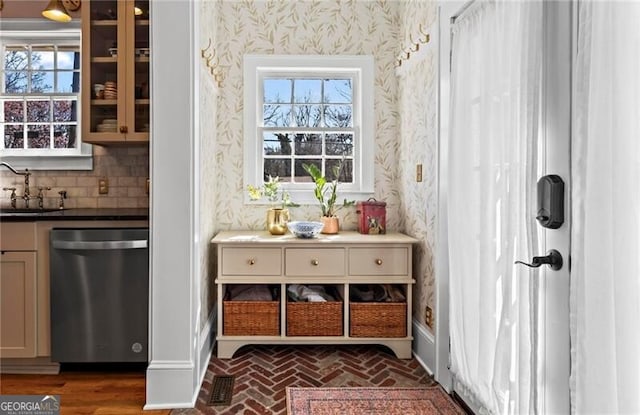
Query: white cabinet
340	262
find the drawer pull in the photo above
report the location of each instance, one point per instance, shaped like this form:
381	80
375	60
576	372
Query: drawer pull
315	262
378	261
251	261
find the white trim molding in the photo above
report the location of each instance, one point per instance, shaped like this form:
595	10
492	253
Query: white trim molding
424	347
361	67
173	374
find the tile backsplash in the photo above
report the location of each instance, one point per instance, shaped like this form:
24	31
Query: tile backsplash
125	168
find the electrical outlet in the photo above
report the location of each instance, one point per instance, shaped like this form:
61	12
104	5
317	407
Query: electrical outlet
103	186
428	317
418	173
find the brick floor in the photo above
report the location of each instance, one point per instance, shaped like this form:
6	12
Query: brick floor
263	373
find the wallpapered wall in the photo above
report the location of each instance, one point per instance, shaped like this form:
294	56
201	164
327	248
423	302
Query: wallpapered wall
304	27
418	128
405	109
208	168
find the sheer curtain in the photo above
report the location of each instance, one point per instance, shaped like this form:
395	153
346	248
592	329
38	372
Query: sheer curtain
496	67
605	276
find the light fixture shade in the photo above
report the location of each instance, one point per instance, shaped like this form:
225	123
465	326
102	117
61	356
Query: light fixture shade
137	11
56	12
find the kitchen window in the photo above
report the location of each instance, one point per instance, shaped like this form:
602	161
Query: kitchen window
40	100
309	110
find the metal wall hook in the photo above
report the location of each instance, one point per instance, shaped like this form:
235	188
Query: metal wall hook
202	51
553	259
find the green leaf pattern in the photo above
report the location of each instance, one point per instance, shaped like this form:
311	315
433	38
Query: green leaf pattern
405	110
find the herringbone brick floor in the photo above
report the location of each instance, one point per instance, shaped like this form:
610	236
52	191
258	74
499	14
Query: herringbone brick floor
263	373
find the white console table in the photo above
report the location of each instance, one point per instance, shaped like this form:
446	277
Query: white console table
348	258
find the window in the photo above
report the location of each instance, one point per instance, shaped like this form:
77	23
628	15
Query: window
40	100
309	110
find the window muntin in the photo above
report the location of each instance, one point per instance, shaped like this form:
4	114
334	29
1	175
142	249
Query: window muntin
307	120
338	127
39	100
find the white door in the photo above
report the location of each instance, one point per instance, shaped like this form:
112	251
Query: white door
509	125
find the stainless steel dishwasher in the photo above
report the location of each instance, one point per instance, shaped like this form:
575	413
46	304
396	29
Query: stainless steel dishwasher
99	294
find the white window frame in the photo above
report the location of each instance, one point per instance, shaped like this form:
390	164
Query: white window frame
26	31
361	67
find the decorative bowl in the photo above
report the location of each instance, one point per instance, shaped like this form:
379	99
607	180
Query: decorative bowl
305	229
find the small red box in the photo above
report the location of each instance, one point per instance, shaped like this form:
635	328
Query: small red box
372	218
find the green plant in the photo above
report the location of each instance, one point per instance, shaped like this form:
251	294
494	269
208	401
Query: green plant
326	191
271	190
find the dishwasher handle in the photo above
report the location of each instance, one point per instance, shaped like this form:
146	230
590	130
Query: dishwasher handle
99	245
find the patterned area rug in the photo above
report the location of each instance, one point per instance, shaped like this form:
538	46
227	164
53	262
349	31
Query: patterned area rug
370	401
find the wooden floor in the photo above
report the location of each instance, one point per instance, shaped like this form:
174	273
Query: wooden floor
85	392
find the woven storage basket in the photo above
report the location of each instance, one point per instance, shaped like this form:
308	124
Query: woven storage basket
378	319
251	318
314	318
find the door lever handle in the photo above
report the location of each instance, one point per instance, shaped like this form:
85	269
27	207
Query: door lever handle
553	259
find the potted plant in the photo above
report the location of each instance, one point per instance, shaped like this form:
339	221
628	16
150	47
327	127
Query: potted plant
326	193
278	214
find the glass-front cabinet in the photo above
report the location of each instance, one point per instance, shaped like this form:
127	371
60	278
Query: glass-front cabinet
115	71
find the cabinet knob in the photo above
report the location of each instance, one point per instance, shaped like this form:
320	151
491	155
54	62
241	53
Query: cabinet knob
251	261
378	261
124	129
315	262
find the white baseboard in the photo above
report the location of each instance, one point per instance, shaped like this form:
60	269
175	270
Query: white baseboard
172	383
166	374
207	341
424	347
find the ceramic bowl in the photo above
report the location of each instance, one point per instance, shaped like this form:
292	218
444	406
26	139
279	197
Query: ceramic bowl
305	229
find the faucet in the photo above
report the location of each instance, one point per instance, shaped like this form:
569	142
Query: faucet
27	194
63	196
41	195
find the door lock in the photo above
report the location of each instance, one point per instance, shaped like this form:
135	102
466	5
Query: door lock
553	259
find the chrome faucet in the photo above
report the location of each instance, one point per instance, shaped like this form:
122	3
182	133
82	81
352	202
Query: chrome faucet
63	196
41	195
27	194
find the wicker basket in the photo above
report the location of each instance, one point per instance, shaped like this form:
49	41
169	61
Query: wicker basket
251	318
314	318
378	319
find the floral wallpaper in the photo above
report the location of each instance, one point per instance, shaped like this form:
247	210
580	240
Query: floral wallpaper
208	168
405	109
304	27
417	81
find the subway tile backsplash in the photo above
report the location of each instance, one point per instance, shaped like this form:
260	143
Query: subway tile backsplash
126	169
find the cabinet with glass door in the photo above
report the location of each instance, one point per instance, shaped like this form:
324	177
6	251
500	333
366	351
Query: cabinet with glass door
115	71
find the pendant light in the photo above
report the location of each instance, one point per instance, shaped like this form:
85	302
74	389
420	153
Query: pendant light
57	12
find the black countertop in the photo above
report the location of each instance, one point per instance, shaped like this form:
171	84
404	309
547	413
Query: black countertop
77	214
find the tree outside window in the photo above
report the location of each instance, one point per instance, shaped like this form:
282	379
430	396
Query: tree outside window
307	120
39	99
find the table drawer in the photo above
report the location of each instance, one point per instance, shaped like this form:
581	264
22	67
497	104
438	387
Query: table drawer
326	262
251	261
378	261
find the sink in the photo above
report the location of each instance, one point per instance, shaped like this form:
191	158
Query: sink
27	211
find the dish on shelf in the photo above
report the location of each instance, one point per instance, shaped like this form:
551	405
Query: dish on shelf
142	52
305	229
109	125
